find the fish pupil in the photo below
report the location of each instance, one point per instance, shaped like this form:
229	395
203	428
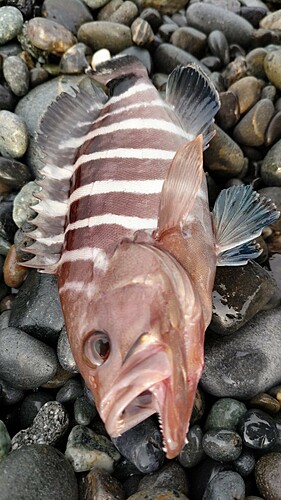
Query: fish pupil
102	348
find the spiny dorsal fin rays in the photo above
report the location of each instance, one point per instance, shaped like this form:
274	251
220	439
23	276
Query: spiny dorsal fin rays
181	185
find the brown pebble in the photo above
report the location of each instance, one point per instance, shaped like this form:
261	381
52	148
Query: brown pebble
49	36
235	70
248	91
14	274
108	9
142	33
189	39
273	132
251	129
125	14
7	303
268	476
229	113
255	62
100	484
265	402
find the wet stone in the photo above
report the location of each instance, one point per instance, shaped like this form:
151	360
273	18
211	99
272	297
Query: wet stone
37	308
222	444
272	66
255	62
248	91
37	468
189	39
225	413
172	477
244	364
70	13
9	395
167	57
142	33
226	486
239	293
85	449
25	362
100	484
206	17
192	452
125	14
229	112
268	477
14	274
153	18
224	157
14	137
271	166
49	35
142	445
274	194
5	441
7	99
202	474
64	353
7	225
258	430
251	129
16	75
245	463
11	22
265	402
71	390
273	131
31	405
105	35
84	412
13	174
74	59
218	45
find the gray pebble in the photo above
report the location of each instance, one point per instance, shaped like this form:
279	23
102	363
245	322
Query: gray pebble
16	75
31	405
125	14
245	463
108	9
14	136
189	39
225	485
84	412
49	425
70	391
206	17
271	166
70	13
7	98
250	131
238	294
218	45
37	308
192	452
105	35
64	353
13	174
11	22
10	395
5	441
272	66
95	4
85	449
223	445
74	59
37	471
255	62
168	56
229	112
25	362
171	477
23	202
225	414
246	363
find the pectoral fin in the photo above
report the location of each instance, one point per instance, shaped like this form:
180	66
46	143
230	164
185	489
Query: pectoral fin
239	216
181	185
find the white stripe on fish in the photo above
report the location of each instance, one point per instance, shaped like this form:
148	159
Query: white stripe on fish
139	154
133	223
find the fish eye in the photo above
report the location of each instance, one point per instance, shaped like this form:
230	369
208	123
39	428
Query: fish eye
97	348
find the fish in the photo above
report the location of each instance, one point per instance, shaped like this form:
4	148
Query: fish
123	221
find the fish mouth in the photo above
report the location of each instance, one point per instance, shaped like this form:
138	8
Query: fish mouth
142	388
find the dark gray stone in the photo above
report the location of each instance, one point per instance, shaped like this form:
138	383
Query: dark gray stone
13	174
171	477
225	413
225	485
64	353
37	309
37	471
31	405
9	395
168	56
244	364
222	444
192	452
70	13
258	430
25	362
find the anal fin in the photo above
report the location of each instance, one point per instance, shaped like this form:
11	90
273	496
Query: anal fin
239	216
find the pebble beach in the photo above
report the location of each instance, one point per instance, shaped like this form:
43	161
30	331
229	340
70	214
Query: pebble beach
53	445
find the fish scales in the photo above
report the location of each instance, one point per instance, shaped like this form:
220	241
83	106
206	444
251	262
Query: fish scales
124	223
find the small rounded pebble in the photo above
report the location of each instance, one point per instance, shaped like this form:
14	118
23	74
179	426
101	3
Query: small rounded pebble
70	13
218	45
100	484
225	485
105	35
64	353
171	476
268	476
271	166
272	66
273	131
142	33
5	441
153	17
7	98
49	35
229	112
37	468
225	414
95	4
13	174
258	430
251	129
84	412
14	136
11	22
125	14
222	444
265	402
189	39
14	274
85	449
74	59
71	390
158	494
49	425
272	21
31	405
247	90
9	395
16	75
245	463
255	62
99	57
25	362
167	57
192	452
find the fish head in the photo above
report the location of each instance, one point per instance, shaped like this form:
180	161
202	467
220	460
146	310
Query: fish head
139	351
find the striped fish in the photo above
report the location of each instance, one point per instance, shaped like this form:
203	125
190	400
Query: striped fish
124	222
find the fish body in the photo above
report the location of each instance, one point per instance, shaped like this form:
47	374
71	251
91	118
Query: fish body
124	223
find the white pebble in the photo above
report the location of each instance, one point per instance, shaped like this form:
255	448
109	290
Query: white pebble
99	57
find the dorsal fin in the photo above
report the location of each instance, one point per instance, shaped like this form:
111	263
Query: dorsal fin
67	119
194	99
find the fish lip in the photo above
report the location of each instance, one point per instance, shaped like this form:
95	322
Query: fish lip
118	405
